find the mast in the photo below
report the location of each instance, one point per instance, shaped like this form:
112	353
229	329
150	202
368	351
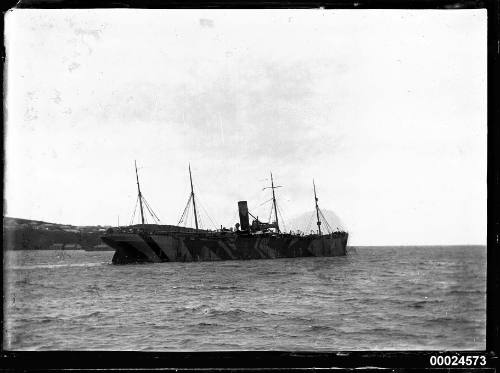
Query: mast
317	209
139	191
274	203
192	196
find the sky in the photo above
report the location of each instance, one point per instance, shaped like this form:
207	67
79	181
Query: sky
385	109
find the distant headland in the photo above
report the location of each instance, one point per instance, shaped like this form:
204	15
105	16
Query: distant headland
25	234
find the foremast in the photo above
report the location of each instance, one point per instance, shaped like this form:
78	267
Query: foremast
192	197
274	203
318	221
142	202
275	207
192	200
139	193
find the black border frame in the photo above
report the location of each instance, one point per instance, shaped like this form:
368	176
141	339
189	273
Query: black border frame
284	360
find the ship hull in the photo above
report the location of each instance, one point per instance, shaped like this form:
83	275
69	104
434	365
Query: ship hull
171	247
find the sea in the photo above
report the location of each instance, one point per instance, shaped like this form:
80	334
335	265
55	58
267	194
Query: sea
375	298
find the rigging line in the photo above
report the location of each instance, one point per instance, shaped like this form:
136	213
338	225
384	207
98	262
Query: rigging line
186	220
257	212
150	209
198	199
325	221
256	195
270	214
184	215
269	200
206	211
328	226
213	220
322	219
191	212
200	220
285	224
282	220
133	213
190	218
309	223
135	208
197	219
155	219
145	215
185	209
198	213
279	206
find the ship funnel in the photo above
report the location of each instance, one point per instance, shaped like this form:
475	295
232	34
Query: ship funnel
243	210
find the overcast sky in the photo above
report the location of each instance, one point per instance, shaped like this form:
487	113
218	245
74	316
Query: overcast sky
386	110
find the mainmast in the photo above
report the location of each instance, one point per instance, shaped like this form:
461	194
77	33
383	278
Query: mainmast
192	197
317	209
139	191
274	203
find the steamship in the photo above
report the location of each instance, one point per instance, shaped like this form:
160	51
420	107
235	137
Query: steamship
259	240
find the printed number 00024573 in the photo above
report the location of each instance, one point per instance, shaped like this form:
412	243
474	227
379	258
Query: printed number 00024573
453	360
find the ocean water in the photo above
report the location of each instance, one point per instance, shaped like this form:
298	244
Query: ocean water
381	298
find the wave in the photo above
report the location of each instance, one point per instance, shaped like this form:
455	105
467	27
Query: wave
201	307
419	304
465	291
207	325
423	303
23	281
92	314
272	272
52	266
47	320
60	318
235	313
449	319
354	303
319	328
210	311
224	287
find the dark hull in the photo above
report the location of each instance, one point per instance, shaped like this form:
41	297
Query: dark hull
137	247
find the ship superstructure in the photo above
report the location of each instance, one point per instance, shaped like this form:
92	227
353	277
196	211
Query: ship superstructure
258	240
